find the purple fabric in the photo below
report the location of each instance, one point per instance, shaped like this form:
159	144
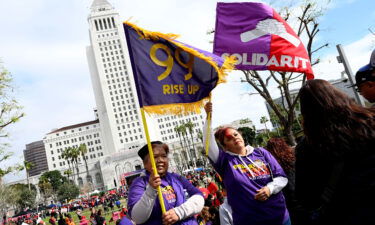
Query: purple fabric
125	221
175	87
232	19
242	186
172	199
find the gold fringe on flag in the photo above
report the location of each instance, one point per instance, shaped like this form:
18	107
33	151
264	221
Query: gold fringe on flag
184	108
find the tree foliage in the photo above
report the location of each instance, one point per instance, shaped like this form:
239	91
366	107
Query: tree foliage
7	198
67	191
248	135
24	197
54	178
10	112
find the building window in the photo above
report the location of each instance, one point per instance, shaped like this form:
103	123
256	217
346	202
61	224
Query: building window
100	24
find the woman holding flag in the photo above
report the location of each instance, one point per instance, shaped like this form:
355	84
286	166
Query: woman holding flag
253	178
144	207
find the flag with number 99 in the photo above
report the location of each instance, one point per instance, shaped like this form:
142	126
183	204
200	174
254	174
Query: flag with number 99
172	77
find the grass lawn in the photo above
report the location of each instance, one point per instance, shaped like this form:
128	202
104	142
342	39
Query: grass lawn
87	213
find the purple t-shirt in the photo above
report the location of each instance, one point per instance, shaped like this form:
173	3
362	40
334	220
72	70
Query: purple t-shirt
125	221
173	188
242	185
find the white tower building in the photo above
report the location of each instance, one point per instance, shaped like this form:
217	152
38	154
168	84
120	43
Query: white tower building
113	83
116	96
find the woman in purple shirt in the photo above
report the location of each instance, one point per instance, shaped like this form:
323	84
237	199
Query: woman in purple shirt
182	200
253	178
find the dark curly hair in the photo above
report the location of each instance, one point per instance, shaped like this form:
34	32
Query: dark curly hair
283	153
332	121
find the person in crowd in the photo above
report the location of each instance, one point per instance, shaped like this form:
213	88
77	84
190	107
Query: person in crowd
53	218
284	154
69	220
83	221
4	221
61	220
204	216
211	186
365	80
225	211
93	216
143	203
214	215
123	212
118	203
335	161
99	219
253	177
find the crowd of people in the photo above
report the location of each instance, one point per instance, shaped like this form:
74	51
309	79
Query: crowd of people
327	178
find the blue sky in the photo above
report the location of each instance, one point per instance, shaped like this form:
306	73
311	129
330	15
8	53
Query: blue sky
42	43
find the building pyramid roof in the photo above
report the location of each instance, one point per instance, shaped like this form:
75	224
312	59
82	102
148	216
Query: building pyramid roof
100	3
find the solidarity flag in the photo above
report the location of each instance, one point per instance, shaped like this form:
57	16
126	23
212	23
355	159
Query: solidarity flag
172	77
259	38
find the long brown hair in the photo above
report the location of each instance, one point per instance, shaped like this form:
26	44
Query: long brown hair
332	121
283	153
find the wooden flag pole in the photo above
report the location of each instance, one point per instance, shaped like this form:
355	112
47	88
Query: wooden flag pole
208	131
151	154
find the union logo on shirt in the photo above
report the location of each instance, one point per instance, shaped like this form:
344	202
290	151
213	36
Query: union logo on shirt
169	193
258	169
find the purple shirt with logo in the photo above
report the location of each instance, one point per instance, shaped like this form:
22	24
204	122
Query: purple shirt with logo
173	187
242	186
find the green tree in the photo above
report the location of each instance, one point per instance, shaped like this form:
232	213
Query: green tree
67	155
54	178
28	166
67	191
74	155
248	135
10	113
68	172
83	151
190	127
178	130
8	198
46	190
264	120
24	197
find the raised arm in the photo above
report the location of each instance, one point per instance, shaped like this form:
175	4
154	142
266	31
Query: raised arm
213	151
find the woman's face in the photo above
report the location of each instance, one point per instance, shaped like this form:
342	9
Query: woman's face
161	161
233	140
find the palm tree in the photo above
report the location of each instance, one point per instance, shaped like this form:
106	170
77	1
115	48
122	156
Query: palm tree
189	125
83	151
66	154
74	158
186	141
179	132
68	173
264	120
28	166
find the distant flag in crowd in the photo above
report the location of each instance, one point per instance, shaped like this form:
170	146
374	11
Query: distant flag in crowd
172	77
259	38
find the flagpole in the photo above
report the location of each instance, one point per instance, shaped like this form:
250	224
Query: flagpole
151	154
208	131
